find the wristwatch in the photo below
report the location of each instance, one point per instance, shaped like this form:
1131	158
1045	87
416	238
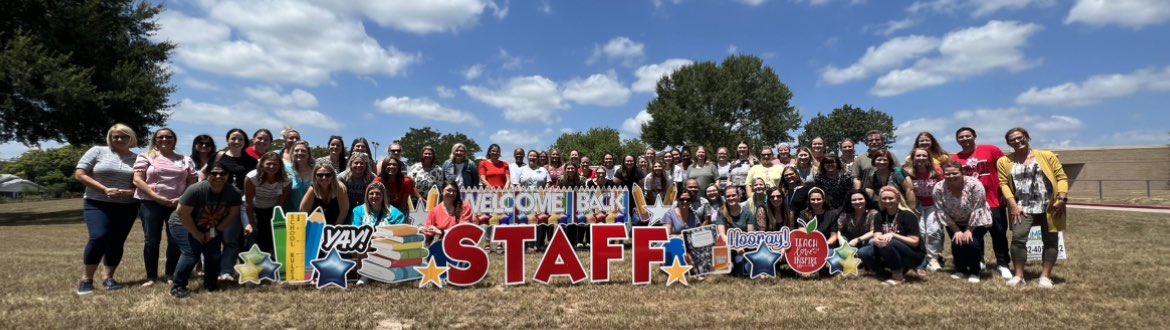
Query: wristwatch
1064	199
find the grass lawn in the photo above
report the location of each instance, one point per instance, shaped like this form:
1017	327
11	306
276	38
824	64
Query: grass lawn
1116	277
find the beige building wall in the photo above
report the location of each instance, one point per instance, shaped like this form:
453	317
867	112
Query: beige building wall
1124	170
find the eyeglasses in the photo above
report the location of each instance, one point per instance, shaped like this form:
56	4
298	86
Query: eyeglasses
324	175
216	174
165	137
120	137
395	150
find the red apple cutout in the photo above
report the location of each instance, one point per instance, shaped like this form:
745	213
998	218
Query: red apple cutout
808	250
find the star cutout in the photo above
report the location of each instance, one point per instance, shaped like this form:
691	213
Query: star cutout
840	256
252	267
418	216
762	261
269	270
431	274
677	272
850	265
332	270
657	212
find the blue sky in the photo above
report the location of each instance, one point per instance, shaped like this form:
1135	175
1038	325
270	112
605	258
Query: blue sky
519	73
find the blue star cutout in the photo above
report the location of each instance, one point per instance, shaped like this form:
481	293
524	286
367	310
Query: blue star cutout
835	263
269	270
675	249
332	270
762	261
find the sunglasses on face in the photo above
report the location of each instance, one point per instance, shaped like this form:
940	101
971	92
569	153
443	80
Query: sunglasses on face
395	150
324	175
217	174
120	137
165	137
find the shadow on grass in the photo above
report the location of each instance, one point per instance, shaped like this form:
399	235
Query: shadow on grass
40	218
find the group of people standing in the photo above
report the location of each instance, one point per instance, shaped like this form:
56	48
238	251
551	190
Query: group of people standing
213	203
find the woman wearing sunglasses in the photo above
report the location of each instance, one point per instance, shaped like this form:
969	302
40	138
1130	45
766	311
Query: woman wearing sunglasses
327	193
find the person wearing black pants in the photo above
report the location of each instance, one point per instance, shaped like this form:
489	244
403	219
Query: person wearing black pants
109	208
205	211
979	162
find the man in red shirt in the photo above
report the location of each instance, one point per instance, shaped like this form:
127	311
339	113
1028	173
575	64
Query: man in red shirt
979	162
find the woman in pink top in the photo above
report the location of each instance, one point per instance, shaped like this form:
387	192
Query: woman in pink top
448	214
161	175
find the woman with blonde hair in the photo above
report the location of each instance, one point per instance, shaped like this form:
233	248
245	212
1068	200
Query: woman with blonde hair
109	207
896	242
356	177
375	210
161	175
327	193
300	170
806	166
267	187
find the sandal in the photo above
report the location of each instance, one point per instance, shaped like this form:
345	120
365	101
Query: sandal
892	282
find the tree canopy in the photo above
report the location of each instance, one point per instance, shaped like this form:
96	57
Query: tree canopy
596	142
52	168
740	100
70	69
847	122
416	138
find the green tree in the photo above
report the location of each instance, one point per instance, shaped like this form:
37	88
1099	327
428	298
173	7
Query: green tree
596	142
847	122
51	168
740	100
416	138
70	69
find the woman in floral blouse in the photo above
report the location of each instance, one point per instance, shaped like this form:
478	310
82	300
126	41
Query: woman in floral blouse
961	204
426	173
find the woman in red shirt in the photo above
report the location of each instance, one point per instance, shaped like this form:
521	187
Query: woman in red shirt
398	185
493	172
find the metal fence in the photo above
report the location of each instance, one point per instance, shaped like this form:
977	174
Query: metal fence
1119	189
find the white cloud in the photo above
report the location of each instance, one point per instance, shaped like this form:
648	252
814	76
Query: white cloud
648	75
511	139
632	127
752	3
473	72
545	7
1134	14
659	3
1098	88
964	53
977	8
890	27
224	116
1046	130
419	17
888	55
285	42
510	62
531	98
621	49
732	49
426	109
599	89
1137	137
272	96
444	92
199	84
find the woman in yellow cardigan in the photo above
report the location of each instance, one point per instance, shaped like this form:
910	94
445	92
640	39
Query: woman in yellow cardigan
1036	189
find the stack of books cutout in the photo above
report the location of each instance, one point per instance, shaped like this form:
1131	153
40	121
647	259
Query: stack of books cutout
396	250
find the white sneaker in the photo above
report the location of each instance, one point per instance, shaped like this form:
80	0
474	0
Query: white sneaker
973	279
934	266
1015	281
1045	282
957	275
226	278
1005	273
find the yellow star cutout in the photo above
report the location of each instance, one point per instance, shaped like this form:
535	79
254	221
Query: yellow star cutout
850	265
249	272
677	272
431	274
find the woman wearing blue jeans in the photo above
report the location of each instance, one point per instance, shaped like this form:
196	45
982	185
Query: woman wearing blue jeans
108	175
161	176
205	211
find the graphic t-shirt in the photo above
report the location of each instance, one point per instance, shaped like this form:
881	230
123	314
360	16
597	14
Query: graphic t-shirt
981	165
208	208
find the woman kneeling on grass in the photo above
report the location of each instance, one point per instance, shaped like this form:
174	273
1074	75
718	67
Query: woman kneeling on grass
962	207
205	210
897	241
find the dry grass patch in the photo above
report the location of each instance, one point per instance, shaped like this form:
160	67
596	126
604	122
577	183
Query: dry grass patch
1116	278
